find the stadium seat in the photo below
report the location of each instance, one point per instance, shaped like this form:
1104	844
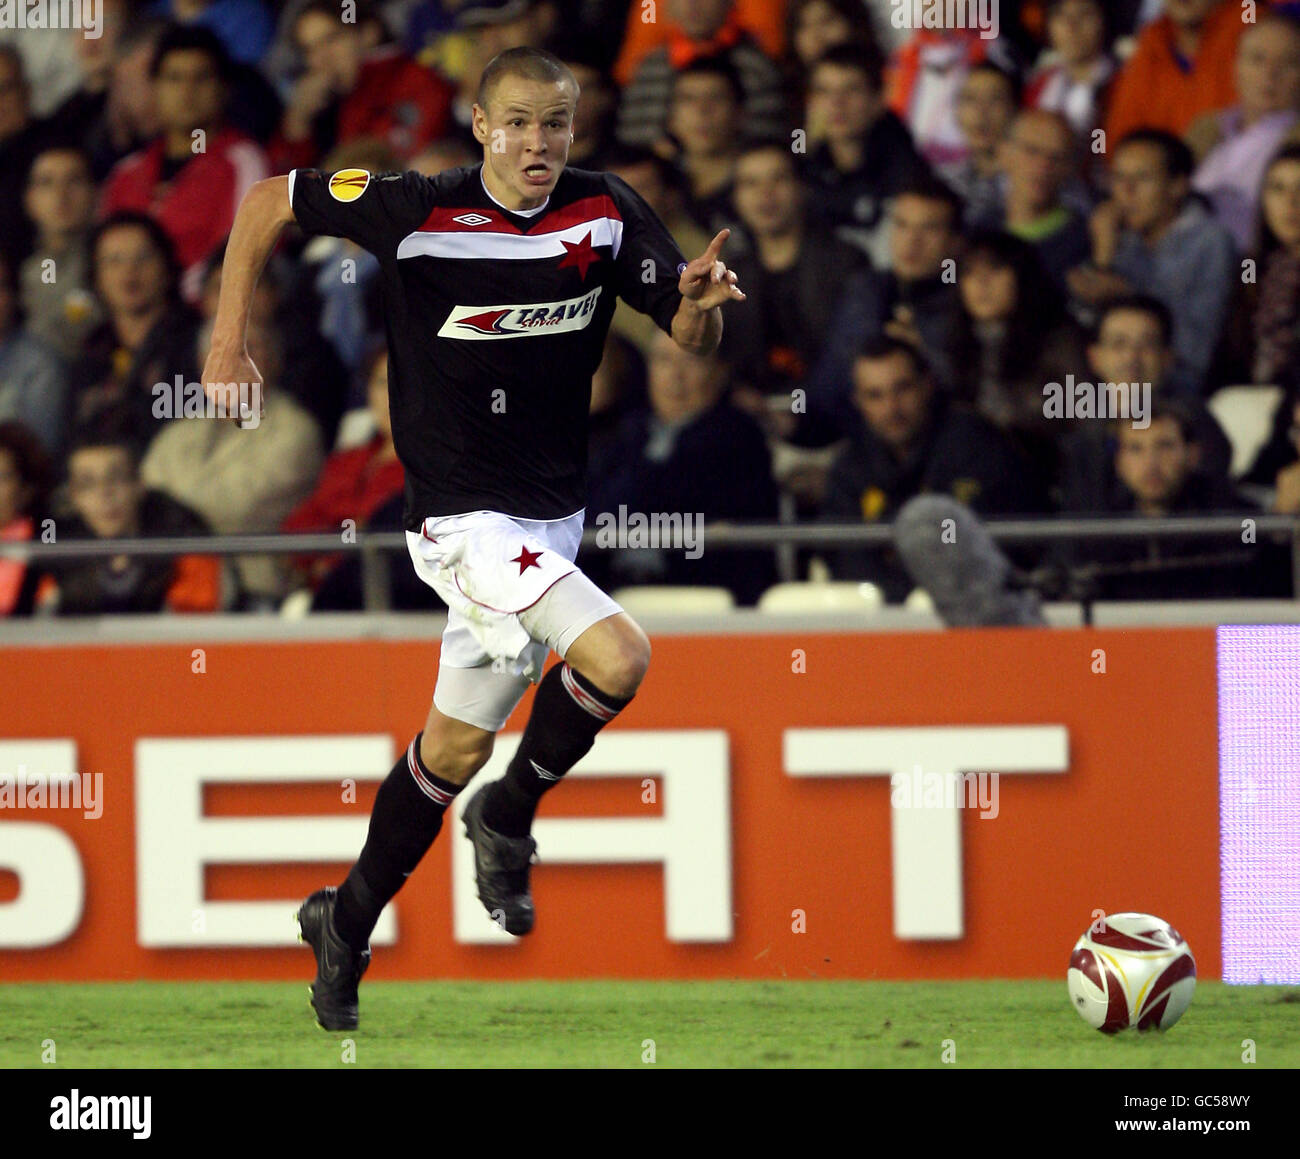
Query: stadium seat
356	429
919	600
653	600
1246	415
829	596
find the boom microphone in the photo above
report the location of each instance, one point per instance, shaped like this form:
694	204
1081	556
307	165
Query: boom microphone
948	552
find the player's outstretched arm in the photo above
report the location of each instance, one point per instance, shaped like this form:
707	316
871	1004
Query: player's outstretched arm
705	285
263	213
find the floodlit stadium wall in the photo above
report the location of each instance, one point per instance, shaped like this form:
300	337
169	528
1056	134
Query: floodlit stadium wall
831	804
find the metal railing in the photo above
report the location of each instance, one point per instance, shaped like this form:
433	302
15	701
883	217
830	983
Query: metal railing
376	547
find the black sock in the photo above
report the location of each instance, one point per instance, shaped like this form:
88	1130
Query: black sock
568	712
406	818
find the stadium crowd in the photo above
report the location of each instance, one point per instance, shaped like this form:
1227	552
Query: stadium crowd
936	230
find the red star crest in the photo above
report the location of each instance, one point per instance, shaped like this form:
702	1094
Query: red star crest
580	254
526	559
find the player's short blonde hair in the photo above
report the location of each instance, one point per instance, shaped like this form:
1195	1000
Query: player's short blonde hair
529	63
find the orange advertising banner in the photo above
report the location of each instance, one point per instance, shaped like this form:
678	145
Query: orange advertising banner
956	804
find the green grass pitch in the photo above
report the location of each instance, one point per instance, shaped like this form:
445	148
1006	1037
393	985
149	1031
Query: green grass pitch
610	1024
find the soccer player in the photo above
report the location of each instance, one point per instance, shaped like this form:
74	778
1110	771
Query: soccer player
500	280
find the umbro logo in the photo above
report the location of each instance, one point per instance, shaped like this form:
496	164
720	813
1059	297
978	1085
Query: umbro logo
472	219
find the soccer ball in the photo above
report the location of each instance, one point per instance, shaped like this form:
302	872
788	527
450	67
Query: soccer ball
1131	970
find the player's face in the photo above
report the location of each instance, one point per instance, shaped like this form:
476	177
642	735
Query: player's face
525	132
1154	462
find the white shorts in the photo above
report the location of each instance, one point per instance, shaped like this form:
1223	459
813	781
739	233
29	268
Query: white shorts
501	579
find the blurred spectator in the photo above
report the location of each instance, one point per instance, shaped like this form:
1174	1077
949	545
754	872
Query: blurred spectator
662	187
25	480
21	138
354	84
358	480
911	437
1277	466
484	28
761	19
342	588
915	300
814	27
1234	145
243	480
1156	475
110	501
1131	350
58	299
33	381
312	371
1075	77
698	30
691	454
193	176
593	120
986	104
790	279
1182	67
1151	237
925	77
111	114
1037	161
704	122
49	53
448	153
865	154
243	26
1017	338
1262	340
617	389
148	333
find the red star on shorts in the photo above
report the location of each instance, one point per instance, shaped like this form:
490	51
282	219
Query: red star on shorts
527	558
579	254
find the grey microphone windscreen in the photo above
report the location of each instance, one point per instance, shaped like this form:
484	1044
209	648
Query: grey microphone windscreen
949	552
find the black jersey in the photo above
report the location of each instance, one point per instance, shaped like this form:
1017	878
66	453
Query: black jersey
496	323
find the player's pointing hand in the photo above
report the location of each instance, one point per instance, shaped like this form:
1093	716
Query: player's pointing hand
706	281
